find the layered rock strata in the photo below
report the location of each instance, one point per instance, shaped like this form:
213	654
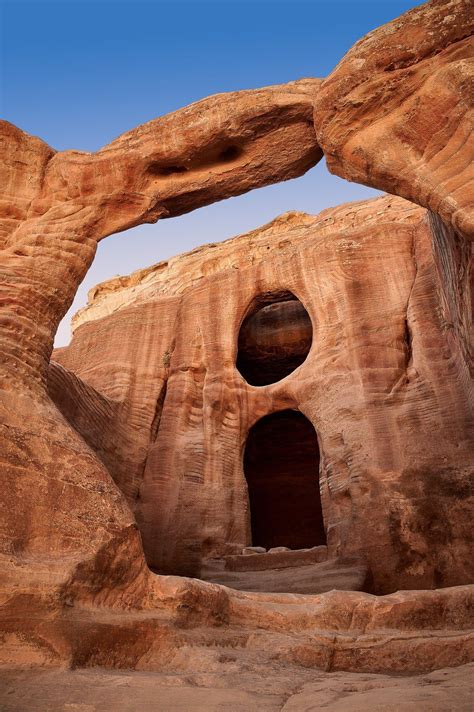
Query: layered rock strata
386	385
55	208
397	111
74	585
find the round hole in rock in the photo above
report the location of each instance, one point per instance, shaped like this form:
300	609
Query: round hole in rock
274	339
281	465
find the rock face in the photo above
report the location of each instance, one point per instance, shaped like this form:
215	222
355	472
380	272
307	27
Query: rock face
55	208
384	373
137	432
309	578
396	113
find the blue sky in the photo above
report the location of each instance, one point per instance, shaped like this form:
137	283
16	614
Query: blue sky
78	74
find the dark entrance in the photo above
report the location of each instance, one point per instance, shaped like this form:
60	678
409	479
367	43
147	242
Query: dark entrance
281	464
274	339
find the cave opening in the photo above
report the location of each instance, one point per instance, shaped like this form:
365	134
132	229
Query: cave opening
281	465
274	339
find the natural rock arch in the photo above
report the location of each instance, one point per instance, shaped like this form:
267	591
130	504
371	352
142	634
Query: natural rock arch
57	206
420	148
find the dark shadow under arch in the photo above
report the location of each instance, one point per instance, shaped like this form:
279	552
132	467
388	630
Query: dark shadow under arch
281	465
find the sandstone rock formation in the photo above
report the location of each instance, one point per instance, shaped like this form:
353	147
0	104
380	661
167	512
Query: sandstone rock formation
273	341
384	373
138	423
397	111
56	206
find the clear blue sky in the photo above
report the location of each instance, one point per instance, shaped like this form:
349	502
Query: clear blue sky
78	74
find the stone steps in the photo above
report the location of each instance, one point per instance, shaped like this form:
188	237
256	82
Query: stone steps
309	578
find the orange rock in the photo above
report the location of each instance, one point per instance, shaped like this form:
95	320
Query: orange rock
148	392
57	206
381	376
62	518
396	113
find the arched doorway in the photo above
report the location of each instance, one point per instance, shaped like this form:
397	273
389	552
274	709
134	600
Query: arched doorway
281	465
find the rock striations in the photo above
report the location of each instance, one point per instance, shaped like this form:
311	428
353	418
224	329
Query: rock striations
383	373
397	111
148	445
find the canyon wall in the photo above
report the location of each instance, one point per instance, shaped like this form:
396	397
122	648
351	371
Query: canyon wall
74	584
56	206
386	385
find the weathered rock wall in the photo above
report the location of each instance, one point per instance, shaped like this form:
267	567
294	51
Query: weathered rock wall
397	114
386	386
55	209
74	586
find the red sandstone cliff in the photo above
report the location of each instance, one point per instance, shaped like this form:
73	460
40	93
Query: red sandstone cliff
385	384
75	587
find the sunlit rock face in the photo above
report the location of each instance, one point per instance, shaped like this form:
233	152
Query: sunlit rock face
135	435
396	112
54	209
359	296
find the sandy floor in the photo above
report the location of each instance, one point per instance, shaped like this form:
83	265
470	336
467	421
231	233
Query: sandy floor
235	689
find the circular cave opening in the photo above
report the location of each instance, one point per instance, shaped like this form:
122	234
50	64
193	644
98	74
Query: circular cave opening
281	465
274	339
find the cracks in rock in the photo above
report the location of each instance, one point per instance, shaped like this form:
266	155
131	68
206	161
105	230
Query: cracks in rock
407	340
404	379
155	425
415	265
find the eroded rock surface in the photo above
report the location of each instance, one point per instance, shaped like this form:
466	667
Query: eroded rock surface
397	114
383	374
55	208
234	686
273	341
311	578
385	285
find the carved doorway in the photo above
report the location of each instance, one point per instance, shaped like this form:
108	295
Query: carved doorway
281	465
